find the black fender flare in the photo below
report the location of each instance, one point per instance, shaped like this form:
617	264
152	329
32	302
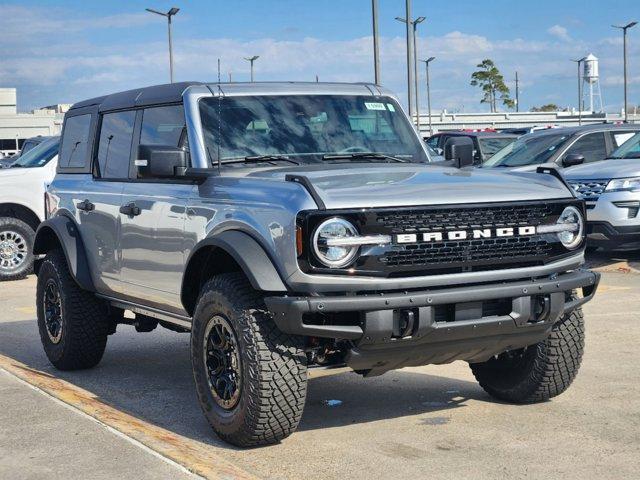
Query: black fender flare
63	231
248	254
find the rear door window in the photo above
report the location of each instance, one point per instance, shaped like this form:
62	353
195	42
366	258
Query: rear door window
73	152
620	137
114	149
591	146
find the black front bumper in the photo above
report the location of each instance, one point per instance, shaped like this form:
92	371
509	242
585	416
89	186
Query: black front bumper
603	234
448	324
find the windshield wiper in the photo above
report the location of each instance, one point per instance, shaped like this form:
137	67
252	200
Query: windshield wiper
260	158
363	156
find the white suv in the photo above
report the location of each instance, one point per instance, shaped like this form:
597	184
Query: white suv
22	188
611	189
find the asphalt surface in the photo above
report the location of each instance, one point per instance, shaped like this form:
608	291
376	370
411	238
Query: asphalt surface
428	422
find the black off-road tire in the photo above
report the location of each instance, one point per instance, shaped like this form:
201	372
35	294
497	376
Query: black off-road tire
85	321
538	372
273	366
14	225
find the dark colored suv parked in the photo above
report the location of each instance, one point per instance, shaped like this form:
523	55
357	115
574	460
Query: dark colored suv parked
485	143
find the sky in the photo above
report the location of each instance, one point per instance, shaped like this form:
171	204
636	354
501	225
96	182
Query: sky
68	50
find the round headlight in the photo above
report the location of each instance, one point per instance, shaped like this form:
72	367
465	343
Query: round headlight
334	256
571	237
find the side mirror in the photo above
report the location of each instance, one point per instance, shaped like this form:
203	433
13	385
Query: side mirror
572	159
460	150
159	161
439	151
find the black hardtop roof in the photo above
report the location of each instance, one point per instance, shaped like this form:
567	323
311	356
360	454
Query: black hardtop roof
172	92
139	97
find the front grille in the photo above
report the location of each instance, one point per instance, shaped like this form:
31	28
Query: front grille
468	254
418	256
589	190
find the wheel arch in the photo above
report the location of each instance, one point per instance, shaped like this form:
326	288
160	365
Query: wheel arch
21	212
62	232
229	251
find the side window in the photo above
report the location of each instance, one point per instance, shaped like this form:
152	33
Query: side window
620	137
163	126
114	149
591	146
73	152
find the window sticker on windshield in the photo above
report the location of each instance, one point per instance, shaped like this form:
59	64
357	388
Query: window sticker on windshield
391	107
374	106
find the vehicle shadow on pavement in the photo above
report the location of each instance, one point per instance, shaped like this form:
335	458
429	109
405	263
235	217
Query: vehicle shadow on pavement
149	376
619	262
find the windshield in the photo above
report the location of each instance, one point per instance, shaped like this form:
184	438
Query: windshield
39	155
531	149
308	128
491	145
629	149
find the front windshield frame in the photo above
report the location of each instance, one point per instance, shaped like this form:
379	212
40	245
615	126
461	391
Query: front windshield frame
623	150
40	155
551	142
263	112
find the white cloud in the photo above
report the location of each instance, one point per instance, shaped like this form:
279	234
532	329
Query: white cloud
50	68
559	32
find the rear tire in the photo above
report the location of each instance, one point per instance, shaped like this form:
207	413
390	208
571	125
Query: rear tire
73	323
252	384
16	249
538	372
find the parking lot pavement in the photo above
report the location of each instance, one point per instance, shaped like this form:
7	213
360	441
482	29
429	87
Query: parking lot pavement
428	422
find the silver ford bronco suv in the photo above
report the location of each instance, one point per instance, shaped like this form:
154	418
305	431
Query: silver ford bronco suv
299	226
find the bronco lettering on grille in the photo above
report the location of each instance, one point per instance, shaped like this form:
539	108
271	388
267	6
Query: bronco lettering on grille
453	235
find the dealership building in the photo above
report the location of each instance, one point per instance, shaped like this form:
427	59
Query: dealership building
16	127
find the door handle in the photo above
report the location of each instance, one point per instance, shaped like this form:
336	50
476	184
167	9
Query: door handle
130	209
85	206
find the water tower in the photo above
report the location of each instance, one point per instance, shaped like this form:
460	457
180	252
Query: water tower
591	77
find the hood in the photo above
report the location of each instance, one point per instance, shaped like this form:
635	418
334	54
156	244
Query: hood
13	172
604	169
360	186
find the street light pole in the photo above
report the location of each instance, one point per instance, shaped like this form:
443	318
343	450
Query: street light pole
426	64
251	60
517	93
376	45
410	82
624	29
579	62
168	15
414	34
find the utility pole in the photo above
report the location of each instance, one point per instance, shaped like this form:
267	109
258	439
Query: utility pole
168	15
376	45
218	70
426	64
517	94
624	29
251	60
579	62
